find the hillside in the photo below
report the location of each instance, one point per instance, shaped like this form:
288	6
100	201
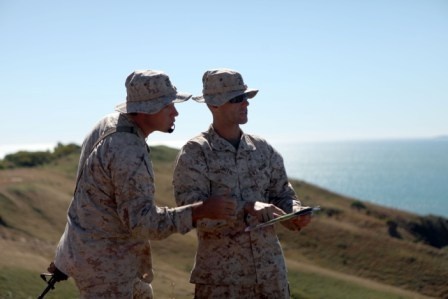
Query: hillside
352	249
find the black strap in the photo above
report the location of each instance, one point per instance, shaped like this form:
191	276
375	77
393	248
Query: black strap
125	129
119	129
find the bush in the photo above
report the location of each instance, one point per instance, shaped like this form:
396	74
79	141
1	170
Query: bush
33	159
330	212
65	150
5	165
358	205
28	159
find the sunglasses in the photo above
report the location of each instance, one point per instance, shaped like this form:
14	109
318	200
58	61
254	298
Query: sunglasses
238	99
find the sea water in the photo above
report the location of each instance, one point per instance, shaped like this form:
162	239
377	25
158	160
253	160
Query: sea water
410	175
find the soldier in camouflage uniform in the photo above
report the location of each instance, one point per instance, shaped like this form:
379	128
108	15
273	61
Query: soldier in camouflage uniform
105	246
232	263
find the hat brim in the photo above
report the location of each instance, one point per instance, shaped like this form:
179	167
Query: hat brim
222	98
151	106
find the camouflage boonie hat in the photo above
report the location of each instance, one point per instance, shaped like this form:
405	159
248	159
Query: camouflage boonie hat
148	92
222	85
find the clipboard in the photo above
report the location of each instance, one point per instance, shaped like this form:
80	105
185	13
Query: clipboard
302	211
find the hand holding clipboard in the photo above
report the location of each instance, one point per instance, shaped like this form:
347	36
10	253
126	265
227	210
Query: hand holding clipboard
302	211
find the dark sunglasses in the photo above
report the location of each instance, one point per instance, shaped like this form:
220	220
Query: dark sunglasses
238	99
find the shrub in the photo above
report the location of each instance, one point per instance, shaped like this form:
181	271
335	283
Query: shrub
28	159
33	159
65	150
359	205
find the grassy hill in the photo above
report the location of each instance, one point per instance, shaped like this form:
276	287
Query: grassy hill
352	249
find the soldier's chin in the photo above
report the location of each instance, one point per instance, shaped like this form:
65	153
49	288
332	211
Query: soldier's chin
171	129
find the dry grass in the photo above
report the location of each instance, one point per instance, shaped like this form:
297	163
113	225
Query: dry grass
345	251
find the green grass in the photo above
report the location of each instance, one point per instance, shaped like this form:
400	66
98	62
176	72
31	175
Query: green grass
67	165
17	283
311	286
163	153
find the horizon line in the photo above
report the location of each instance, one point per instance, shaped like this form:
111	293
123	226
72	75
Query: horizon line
49	146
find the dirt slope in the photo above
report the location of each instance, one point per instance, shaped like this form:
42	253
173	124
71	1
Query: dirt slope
348	241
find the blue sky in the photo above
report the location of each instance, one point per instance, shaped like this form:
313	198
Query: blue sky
326	70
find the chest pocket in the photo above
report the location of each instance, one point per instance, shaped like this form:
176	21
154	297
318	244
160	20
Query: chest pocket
222	172
259	171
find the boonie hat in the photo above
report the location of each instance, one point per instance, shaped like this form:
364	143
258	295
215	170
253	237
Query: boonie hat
148	91
222	85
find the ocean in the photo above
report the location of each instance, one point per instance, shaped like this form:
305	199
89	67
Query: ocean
410	175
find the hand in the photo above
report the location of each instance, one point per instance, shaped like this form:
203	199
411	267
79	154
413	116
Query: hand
297	223
216	207
51	268
263	211
57	274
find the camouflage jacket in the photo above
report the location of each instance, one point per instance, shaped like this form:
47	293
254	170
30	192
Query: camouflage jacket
208	164
113	215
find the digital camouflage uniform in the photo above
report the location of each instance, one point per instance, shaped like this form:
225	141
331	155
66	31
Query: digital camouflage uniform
113	215
231	263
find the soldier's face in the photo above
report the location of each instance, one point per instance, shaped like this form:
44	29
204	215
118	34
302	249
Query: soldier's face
236	112
166	118
162	121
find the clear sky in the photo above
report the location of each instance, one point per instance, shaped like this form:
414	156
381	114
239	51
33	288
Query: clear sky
326	70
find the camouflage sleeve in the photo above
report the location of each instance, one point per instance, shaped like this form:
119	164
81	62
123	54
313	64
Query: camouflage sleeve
281	192
190	180
134	194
